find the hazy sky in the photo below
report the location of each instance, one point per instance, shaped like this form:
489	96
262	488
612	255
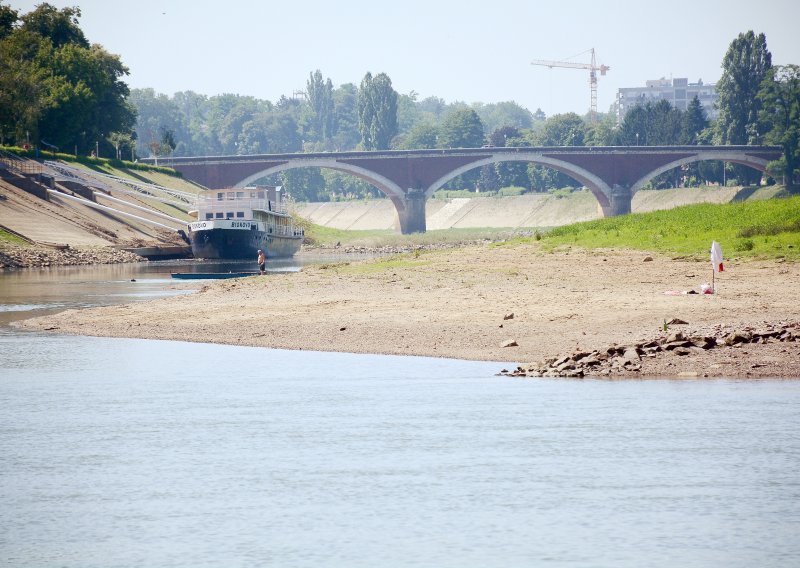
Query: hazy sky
459	50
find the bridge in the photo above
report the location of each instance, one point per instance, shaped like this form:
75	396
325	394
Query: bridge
409	177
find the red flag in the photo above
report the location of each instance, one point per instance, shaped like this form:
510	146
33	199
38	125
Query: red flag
716	257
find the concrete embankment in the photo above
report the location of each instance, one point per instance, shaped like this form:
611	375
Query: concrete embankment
532	210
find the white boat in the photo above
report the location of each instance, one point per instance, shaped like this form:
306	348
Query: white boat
238	222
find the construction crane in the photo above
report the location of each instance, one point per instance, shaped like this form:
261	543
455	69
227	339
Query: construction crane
593	68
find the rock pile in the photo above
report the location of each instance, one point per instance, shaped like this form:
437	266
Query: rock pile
627	359
12	256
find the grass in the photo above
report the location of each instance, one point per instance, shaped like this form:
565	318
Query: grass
758	228
103	165
9	238
755	229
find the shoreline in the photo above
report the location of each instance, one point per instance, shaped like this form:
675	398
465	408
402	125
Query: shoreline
483	302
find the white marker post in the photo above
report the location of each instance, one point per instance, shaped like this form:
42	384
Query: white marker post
716	262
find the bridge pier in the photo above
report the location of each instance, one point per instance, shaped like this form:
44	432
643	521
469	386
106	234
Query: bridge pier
411	211
620	202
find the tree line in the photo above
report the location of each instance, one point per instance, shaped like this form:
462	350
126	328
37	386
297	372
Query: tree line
59	91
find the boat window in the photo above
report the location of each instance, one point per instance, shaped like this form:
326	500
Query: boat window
231	195
240	214
220	215
240	195
209	215
220	196
261	195
229	215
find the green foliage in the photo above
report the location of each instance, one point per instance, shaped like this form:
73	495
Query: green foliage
495	116
694	124
10	238
377	111
651	124
8	17
423	135
567	129
764	229
457	193
320	116
511	191
60	26
559	130
100	164
462	129
780	99
54	87
744	67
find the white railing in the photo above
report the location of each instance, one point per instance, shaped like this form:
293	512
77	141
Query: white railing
109	182
214	205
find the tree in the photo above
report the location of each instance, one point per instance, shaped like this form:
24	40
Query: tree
559	130
694	127
345	108
666	124
54	85
509	173
59	26
744	67
377	111
498	115
462	129
603	131
423	135
320	118
22	84
651	124
694	122
409	114
8	17
563	130
780	99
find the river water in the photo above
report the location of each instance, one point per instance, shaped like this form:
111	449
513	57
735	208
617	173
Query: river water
122	453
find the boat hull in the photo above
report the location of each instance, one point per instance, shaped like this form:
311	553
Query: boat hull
238	244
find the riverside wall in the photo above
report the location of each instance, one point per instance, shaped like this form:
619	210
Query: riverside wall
531	210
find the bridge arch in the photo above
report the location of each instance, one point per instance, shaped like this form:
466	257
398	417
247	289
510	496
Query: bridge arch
387	186
595	184
736	157
410	205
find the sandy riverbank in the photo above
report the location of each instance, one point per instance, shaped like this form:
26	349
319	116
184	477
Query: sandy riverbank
458	303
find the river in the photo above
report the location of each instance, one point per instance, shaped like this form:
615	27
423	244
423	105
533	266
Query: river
122	453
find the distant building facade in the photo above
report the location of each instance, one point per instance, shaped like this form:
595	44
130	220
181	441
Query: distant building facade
678	92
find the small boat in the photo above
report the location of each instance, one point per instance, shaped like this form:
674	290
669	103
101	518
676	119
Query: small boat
211	275
236	223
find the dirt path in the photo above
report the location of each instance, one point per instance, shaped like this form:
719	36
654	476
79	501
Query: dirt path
458	304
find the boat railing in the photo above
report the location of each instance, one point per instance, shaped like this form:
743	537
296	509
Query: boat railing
285	230
212	204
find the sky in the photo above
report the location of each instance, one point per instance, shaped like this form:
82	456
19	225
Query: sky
457	50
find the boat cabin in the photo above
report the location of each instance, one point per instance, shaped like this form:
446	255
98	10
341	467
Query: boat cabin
243	203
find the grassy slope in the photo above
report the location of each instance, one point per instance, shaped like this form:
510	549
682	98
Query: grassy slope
758	229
